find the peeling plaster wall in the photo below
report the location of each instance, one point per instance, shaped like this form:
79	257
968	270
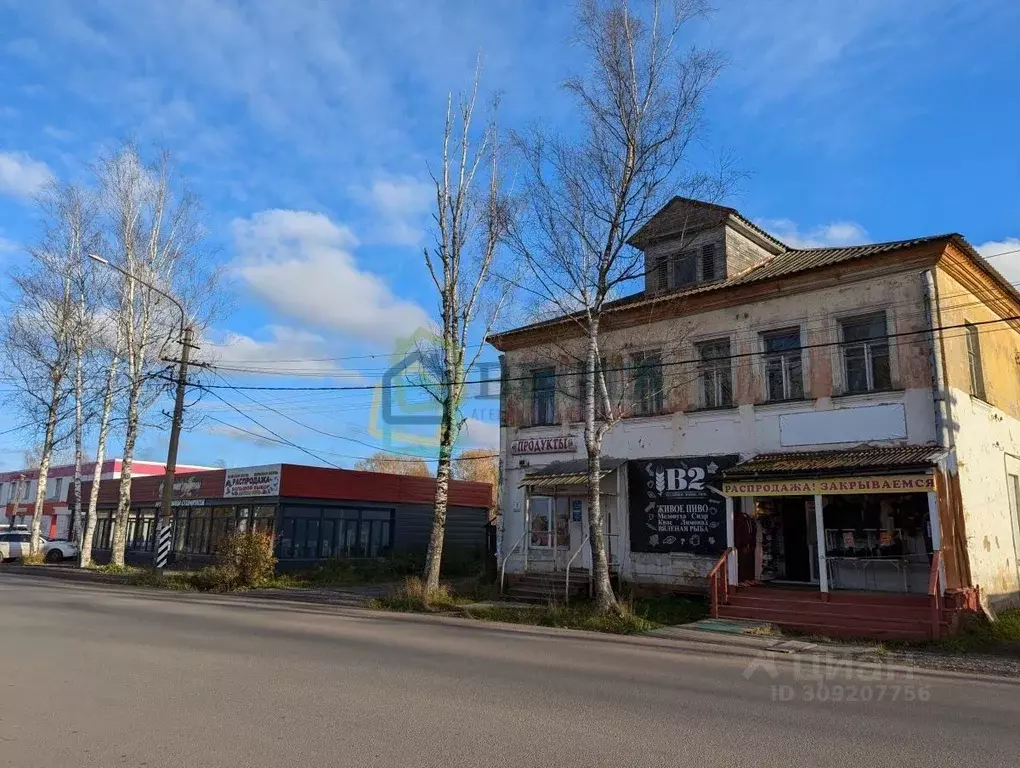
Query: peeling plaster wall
752	426
987	437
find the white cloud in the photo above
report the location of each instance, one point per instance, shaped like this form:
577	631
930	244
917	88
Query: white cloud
825	236
1007	263
8	246
481	434
399	205
21	176
287	350
303	264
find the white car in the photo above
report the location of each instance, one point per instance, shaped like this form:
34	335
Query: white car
14	545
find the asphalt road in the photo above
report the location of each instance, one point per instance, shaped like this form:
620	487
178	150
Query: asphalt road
99	676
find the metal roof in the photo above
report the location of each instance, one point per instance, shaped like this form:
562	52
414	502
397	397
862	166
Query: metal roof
568	473
859	460
789	262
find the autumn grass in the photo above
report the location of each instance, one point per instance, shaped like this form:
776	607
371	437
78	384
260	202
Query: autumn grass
37	559
632	617
413	596
979	635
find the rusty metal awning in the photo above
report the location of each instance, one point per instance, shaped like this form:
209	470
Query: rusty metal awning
863	459
562	473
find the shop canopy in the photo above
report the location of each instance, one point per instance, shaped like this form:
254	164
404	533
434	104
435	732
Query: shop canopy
565	473
864	469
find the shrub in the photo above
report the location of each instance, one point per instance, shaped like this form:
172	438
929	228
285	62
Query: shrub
37	559
243	559
415	596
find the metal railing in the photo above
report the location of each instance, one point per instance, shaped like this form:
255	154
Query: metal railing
506	557
570	562
935	593
713	582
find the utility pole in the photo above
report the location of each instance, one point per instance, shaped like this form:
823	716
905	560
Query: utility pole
163	537
164	530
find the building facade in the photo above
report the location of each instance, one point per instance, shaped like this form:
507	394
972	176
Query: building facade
18	491
315	513
829	417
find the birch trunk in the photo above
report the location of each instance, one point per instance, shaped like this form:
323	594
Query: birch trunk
85	553
35	545
79	426
434	559
119	543
605	599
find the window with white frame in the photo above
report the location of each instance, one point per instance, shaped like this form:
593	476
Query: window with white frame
715	376
58	487
784	377
865	350
647	383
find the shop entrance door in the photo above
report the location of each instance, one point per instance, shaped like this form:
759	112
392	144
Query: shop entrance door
796	539
745	540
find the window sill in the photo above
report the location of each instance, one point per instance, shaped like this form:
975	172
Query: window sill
872	393
713	409
788	402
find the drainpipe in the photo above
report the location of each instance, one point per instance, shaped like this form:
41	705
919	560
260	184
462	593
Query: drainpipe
943	408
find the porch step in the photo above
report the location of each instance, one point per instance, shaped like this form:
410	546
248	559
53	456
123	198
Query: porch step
887	617
543	588
881	611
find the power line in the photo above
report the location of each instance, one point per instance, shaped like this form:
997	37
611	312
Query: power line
558	374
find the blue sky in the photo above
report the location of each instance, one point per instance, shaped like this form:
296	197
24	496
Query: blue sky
306	126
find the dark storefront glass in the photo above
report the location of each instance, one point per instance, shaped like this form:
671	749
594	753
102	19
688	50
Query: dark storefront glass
197	540
311	532
141	530
222	523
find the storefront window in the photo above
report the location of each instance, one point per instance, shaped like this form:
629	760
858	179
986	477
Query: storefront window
550	522
264	518
180	528
197	542
541	521
104	524
878	542
141	530
222	524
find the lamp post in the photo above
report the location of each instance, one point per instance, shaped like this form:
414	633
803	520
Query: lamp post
166	508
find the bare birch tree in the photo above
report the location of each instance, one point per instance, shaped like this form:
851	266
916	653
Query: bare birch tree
640	108
470	222
155	238
102	433
45	334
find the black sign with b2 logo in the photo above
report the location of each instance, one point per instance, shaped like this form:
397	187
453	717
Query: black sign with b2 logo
676	504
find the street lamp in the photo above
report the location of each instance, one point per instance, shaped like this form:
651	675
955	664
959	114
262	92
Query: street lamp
165	514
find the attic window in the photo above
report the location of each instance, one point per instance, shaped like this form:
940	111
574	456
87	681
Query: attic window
684	270
708	271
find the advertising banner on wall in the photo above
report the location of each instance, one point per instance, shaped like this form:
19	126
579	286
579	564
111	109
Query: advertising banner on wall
252	481
676	504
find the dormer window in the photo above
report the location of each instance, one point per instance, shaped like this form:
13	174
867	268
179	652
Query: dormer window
685	269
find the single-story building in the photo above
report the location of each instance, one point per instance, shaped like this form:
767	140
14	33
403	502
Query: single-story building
316	513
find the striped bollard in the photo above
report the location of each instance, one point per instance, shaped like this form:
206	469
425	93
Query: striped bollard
164	540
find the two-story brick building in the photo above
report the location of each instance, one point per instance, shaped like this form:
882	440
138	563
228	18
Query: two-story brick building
832	418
